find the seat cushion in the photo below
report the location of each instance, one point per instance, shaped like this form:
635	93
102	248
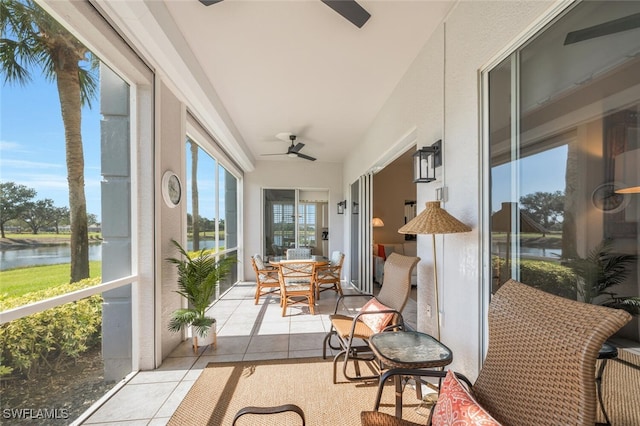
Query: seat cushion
344	323
456	406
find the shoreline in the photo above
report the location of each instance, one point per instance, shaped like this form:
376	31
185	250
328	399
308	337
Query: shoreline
34	241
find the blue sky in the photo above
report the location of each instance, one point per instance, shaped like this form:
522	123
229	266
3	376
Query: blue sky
542	172
32	151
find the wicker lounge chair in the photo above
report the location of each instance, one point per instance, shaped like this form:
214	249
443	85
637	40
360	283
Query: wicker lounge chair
541	361
352	332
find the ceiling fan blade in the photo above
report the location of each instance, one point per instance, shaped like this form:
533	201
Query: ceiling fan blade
606	28
209	2
306	157
350	10
265	155
296	148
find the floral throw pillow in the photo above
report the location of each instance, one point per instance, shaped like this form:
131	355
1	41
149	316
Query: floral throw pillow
457	407
376	322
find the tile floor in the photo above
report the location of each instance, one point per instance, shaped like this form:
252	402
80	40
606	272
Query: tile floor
245	332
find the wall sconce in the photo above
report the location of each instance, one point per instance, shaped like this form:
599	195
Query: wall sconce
425	161
341	206
355	209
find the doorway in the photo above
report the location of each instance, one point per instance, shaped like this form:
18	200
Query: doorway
295	218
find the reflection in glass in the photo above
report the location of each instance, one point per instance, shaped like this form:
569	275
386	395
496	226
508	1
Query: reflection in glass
553	146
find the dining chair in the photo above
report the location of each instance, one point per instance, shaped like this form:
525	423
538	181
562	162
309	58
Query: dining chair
379	313
267	279
540	363
298	253
328	276
297	284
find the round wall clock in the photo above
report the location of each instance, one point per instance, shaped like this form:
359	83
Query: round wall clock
605	198
171	188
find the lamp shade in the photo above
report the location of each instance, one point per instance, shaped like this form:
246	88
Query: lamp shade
376	222
434	220
627	171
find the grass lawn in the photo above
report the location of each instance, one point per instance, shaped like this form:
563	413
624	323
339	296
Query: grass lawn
20	281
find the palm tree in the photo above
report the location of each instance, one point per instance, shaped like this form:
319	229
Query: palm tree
31	38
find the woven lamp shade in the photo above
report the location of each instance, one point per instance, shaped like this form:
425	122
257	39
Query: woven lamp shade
434	220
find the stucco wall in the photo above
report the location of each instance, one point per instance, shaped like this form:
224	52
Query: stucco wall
291	173
172	128
439	97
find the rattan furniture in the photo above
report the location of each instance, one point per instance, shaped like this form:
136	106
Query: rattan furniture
407	349
267	280
352	333
328	276
296	283
541	360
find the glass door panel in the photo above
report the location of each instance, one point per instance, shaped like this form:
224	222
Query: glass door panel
279	221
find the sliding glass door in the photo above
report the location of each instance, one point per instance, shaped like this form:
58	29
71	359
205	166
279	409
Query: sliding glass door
295	218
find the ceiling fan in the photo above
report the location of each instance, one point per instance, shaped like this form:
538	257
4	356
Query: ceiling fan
606	28
349	9
294	150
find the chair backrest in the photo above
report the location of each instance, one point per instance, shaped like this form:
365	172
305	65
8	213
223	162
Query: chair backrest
296	271
337	257
397	281
258	263
540	363
299	253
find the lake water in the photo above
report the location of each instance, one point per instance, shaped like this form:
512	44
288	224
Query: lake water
43	255
53	255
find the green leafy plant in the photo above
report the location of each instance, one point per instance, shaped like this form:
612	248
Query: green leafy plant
600	271
45	340
198	277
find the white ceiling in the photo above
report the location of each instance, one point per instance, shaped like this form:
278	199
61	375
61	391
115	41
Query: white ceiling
298	66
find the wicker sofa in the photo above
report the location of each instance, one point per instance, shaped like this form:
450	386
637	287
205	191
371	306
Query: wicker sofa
380	253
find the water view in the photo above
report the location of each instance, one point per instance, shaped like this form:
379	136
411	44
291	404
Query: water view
42	255
55	254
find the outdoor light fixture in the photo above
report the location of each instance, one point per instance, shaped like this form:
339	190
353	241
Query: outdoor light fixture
341	206
425	161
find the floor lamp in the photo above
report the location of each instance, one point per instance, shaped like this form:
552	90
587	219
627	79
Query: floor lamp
434	220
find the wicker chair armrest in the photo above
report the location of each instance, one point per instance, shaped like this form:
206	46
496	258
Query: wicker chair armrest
270	410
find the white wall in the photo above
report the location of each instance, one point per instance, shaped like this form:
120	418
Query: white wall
291	173
439	98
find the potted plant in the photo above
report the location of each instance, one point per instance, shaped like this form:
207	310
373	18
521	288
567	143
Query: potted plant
601	270
198	277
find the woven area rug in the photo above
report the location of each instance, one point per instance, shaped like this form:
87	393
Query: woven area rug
224	388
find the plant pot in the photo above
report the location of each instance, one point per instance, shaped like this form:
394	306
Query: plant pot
209	339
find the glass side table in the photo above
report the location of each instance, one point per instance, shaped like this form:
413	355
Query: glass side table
407	350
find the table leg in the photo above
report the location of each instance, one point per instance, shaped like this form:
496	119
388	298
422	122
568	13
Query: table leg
398	380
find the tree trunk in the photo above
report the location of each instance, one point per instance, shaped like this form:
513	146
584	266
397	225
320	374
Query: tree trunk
69	92
194	196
